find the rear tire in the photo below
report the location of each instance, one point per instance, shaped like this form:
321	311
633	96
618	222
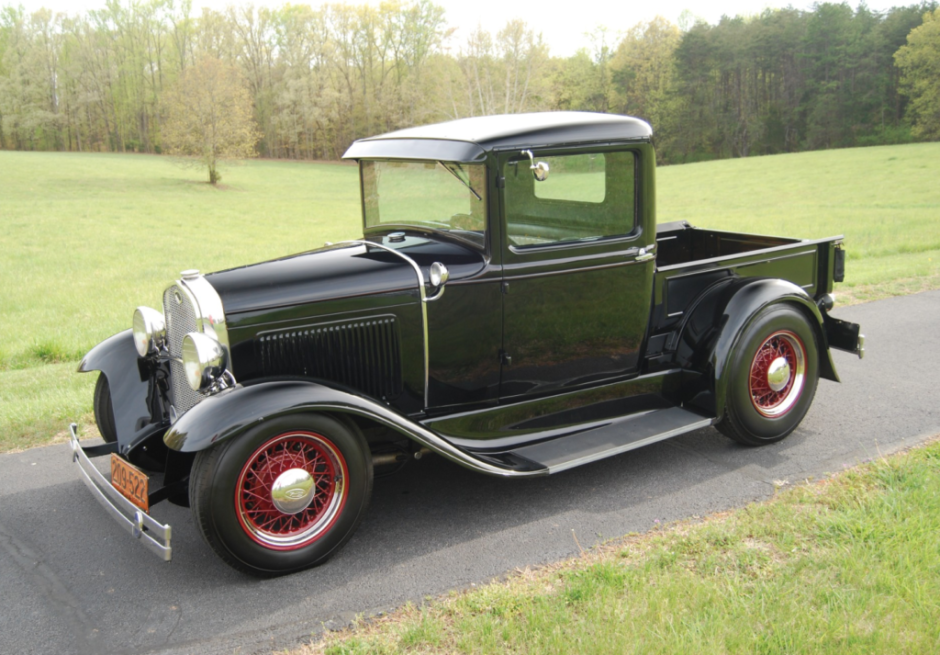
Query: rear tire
284	496
104	410
773	374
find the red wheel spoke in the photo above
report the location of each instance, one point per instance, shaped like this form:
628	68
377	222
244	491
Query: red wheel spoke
262	498
271	521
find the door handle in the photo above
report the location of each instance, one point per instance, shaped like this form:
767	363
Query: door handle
646	254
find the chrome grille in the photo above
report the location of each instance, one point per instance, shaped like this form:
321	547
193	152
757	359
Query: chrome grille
180	319
363	354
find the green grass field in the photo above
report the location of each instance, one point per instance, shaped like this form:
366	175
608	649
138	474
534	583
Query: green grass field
847	565
85	238
885	200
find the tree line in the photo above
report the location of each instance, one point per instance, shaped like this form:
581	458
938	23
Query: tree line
317	79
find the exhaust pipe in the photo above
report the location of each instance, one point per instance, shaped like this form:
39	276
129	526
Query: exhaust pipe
384	459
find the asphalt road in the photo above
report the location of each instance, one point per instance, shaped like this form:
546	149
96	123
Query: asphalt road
72	582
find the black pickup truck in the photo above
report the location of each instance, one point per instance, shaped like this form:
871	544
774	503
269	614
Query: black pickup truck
512	306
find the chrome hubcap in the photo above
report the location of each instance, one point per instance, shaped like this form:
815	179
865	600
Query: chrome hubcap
292	491
778	374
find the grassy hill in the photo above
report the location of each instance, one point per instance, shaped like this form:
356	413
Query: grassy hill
87	237
885	200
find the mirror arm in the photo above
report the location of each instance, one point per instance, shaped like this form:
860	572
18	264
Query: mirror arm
540	169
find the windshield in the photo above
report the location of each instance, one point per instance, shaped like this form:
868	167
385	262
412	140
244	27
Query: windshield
442	196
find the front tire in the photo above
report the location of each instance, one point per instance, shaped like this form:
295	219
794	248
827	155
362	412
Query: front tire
773	374
284	496
104	410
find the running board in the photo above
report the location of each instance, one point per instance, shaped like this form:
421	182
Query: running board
612	438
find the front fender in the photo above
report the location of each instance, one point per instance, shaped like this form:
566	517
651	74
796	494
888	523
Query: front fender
727	310
232	412
138	411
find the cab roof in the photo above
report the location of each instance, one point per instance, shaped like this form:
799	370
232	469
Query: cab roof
469	140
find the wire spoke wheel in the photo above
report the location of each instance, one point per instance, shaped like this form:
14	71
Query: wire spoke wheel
291	490
777	374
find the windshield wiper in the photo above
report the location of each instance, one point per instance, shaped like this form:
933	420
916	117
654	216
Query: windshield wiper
462	181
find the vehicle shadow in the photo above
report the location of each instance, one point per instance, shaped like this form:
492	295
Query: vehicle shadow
432	527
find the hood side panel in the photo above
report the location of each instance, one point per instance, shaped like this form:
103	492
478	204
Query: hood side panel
346	315
347	342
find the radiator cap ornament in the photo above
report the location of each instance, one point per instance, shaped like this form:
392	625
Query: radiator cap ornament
190	274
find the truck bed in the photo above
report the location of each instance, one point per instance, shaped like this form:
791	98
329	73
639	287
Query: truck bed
680	243
690	259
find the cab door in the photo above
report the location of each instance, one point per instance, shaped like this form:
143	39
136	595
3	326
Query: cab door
577	277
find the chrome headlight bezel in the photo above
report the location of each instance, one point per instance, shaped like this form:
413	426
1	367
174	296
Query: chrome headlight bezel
149	329
204	360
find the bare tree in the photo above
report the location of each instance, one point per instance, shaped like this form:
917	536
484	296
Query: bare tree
209	116
502	73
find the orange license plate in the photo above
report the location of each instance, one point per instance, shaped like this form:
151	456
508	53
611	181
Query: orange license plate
131	482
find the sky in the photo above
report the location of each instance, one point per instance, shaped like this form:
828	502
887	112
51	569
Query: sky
564	24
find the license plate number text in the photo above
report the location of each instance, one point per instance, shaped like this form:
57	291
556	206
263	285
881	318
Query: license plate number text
131	482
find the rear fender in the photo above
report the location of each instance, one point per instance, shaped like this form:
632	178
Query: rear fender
709	336
229	414
138	408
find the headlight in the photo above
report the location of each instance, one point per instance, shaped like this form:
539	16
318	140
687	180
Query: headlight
203	360
149	330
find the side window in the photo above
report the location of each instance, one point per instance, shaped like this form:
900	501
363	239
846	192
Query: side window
587	196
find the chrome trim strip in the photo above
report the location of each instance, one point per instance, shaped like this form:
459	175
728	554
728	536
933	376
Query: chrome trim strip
424	300
154	535
704	423
523	276
428	438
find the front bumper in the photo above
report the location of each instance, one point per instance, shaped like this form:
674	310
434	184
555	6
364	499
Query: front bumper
154	535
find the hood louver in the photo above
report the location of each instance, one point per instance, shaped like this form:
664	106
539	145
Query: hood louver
364	354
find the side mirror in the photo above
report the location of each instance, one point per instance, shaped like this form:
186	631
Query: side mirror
540	169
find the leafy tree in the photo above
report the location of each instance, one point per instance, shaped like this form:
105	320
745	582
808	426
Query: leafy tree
319	77
919	62
642	71
571	82
209	116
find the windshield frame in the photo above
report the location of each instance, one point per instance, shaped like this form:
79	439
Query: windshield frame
477	242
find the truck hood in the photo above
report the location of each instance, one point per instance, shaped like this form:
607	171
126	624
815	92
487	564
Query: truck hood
336	272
